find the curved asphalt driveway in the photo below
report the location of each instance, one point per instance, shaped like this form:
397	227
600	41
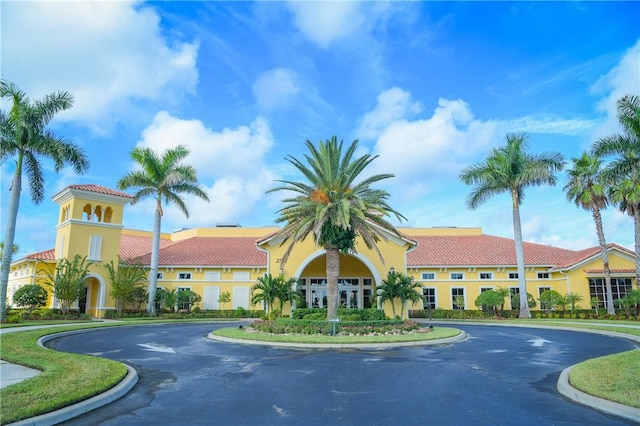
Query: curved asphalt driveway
497	376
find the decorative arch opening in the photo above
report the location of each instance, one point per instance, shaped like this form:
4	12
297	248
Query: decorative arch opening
356	284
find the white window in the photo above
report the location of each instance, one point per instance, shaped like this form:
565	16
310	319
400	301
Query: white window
513	275
486	275
543	275
429	297
456	276
212	276
211	297
160	275
428	276
241	276
240	297
184	276
457	298
61	247
95	247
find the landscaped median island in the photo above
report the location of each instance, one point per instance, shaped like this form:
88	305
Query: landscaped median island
285	330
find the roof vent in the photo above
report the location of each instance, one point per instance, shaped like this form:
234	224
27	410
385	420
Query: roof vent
228	225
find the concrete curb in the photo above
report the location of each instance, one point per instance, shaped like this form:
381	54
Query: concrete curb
366	346
609	407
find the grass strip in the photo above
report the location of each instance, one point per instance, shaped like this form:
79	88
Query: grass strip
65	379
436	333
613	377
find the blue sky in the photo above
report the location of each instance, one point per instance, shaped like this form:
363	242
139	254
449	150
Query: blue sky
429	87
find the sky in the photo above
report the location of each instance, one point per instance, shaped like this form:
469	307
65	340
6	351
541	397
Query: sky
428	87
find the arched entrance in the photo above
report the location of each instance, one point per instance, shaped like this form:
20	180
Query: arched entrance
91	301
356	284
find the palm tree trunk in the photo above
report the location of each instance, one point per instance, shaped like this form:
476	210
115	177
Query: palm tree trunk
636	222
522	283
155	259
9	237
333	272
597	217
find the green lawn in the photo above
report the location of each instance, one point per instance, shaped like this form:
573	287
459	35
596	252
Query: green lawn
614	377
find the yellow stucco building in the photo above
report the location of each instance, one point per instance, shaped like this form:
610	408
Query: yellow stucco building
454	265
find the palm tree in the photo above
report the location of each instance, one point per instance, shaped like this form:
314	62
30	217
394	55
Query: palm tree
14	249
25	137
401	287
266	290
287	292
623	171
585	188
334	208
626	195
165	178
511	169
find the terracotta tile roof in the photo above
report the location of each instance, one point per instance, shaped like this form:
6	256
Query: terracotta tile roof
613	271
43	255
480	250
211	251
100	190
133	246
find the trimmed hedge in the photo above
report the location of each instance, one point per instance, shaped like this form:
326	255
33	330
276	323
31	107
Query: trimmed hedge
514	313
370	314
195	313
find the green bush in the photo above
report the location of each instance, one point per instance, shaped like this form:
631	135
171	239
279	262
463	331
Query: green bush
306	326
370	314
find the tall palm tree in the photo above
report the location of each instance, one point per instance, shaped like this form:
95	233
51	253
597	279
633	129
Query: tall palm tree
625	167
25	137
511	169
585	188
165	178
334	208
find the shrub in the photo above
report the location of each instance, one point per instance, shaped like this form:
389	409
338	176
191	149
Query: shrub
31	297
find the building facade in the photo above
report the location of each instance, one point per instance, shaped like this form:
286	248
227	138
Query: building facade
453	265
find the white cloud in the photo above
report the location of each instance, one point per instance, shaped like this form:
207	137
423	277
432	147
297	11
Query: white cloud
623	79
438	145
393	105
108	55
230	164
325	23
276	89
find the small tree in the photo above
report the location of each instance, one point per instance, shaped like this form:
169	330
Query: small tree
401	287
31	297
490	299
515	301
573	299
549	299
67	281
266	290
288	292
225	297
185	299
170	299
125	278
138	297
595	304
